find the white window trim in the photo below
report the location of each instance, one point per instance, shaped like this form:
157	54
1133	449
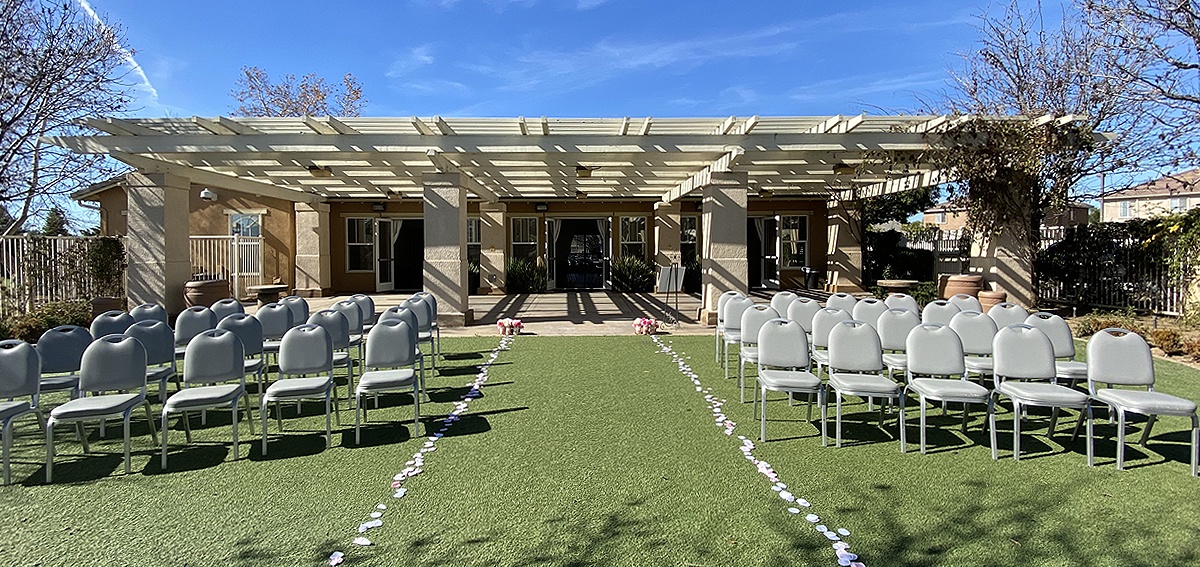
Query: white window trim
645	230
346	225
512	240
807	230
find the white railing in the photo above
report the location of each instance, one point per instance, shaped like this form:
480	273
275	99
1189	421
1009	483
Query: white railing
35	270
238	259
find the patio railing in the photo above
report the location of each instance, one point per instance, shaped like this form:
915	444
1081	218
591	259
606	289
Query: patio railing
35	270
238	259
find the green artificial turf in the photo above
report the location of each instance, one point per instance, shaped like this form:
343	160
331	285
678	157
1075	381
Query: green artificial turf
598	451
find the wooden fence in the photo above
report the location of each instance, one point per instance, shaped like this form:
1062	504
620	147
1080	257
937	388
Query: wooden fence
35	270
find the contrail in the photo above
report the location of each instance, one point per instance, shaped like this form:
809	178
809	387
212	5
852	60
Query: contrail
128	56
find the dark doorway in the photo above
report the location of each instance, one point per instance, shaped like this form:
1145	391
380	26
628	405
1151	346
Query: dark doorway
579	254
753	255
762	260
410	255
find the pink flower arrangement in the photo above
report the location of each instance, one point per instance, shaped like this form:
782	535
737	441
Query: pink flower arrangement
510	326
645	326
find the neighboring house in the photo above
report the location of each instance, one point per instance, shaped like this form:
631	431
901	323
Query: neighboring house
1171	194
953	216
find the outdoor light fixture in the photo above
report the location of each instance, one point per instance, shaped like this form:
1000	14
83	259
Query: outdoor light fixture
541	207
207	194
320	171
841	168
580	194
583	171
378	207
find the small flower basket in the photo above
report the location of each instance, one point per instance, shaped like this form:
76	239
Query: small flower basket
645	326
509	326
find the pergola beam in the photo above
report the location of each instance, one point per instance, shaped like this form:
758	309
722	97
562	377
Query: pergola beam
119	127
473	185
422	128
319	127
213	126
895	185
645	129
237	127
442	126
203	177
702	177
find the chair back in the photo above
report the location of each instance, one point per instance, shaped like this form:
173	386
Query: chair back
976	331
783	344
734	309
1058	331
335	324
430	300
1005	314
902	301
223	308
61	348
934	350
193	321
400	312
353	314
802	310
781	300
366	305
158	339
421	309
854	347
306	349
298	306
214	356
721	301
20	369
894	327
940	311
824	321
275	319
111	323
248	330
1023	352
113	362
1120	357
843	301
965	302
149	312
868	310
752	321
392	344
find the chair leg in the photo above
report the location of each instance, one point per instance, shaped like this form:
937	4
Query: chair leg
262	411
249	415
417	410
1053	423
903	429
1120	439
337	407
128	469
7	443
923	408
328	424
1091	446
1016	432
1146	432
150	421
49	451
236	419
838	438
358	410
1195	444
823	401
163	445
187	426
991	411
82	433
762	432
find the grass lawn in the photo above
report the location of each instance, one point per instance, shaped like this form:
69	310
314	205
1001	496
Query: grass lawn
598	451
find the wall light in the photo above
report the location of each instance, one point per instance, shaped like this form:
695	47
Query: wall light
541	207
378	207
583	171
207	194
320	171
841	168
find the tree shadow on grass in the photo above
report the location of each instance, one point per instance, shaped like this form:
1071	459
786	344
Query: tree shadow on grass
468	370
255	550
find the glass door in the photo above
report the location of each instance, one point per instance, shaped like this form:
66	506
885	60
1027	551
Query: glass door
552	228
770	252
385	269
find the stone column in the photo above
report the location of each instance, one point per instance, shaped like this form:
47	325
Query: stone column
313	271
845	262
157	239
446	246
493	254
666	235
1006	265
724	259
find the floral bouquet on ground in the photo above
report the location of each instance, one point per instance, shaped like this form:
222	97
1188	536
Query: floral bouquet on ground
509	326
645	326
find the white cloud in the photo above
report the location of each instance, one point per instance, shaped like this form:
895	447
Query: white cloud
149	95
417	57
589	4
847	87
435	86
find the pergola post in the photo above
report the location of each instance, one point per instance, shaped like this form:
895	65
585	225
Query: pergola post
725	262
313	272
999	259
844	270
493	246
445	271
157	242
666	234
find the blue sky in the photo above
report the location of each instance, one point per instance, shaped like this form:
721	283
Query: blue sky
555	58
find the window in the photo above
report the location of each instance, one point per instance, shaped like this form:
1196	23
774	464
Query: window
245	224
1178	204
474	241
633	236
689	239
939	218
793	241
1125	213
524	238
360	245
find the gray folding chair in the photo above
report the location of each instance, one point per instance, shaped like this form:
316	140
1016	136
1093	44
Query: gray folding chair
1005	314
402	313
1065	365
111	323
223	308
1024	373
781	300
719	331
213	359
436	329
249	331
61	350
823	322
149	312
159	341
868	310
856	369
299	308
902	301
801	311
784	366
367	305
354	319
20	371
307	350
191	322
275	319
752	321
843	301
976	331
732	334
965	302
424	313
935	353
392	366
939	311
1117	357
111	363
894	327
338	328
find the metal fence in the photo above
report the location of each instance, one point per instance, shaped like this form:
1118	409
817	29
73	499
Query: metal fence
951	250
35	270
238	259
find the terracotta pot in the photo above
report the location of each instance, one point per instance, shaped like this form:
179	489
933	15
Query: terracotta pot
988	299
104	304
967	284
205	292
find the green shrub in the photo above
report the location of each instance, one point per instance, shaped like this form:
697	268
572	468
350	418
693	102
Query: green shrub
1192	349
631	274
924	292
1169	340
524	276
1092	323
29	326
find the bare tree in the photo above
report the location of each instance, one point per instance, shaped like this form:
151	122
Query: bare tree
57	65
307	96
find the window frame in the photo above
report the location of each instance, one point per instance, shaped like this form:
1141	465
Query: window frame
474	239
803	238
1181	207
513	242
1124	209
370	244
695	242
257	223
624	241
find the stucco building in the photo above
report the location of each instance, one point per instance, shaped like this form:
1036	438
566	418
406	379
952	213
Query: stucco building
1171	194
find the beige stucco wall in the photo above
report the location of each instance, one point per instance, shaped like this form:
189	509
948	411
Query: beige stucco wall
1142	207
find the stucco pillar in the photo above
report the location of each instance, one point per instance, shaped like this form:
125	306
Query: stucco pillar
493	247
157	239
446	246
313	271
724	259
1005	265
844	271
666	235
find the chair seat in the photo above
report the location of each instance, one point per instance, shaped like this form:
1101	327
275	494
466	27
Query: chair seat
271	346
9	410
159	373
95	407
979	364
424	336
356	340
203	397
180	351
380	380
1146	403
1043	394
1070	369
784	380
950	389
253	364
733	335
821	356
749	353
896	360
340	357
58	383
864	384
298	388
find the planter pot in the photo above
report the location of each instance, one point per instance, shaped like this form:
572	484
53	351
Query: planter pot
967	284
988	299
103	304
205	292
